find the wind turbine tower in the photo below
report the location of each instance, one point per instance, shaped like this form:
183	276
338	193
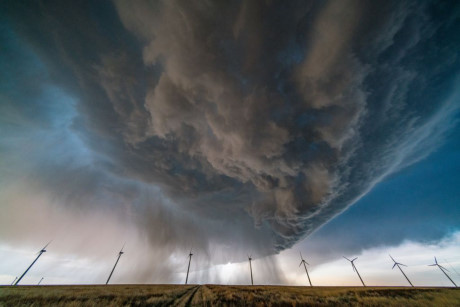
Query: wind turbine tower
354	268
398	265
116	262
442	269
43	250
14	280
188	268
250	268
304	265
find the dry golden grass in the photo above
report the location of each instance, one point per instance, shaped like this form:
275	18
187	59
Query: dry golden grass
214	295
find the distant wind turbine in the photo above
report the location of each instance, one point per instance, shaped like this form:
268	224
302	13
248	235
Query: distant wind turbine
304	265
40	281
398	265
442	269
188	268
250	268
119	255
43	250
354	268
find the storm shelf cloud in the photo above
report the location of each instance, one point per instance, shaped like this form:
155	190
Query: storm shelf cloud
242	125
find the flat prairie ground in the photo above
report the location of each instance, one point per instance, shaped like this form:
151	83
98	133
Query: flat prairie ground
217	295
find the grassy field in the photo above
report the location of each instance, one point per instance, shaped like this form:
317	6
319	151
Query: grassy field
214	295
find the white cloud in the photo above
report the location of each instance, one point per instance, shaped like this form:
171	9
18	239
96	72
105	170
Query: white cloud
374	265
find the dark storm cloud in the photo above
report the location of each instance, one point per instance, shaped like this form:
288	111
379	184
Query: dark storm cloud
249	123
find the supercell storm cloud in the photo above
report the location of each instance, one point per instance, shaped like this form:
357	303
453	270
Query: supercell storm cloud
221	123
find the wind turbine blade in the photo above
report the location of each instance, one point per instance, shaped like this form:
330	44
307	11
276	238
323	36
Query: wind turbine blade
443	267
402	264
435	260
393	266
354	259
47	244
432	264
346	258
301	256
391	258
307	263
300	263
44	248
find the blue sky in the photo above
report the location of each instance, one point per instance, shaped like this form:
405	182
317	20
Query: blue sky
418	203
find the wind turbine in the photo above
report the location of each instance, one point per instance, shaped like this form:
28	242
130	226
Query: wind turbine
43	250
398	265
250	268
14	280
355	269
442	269
40	281
119	255
304	265
188	269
